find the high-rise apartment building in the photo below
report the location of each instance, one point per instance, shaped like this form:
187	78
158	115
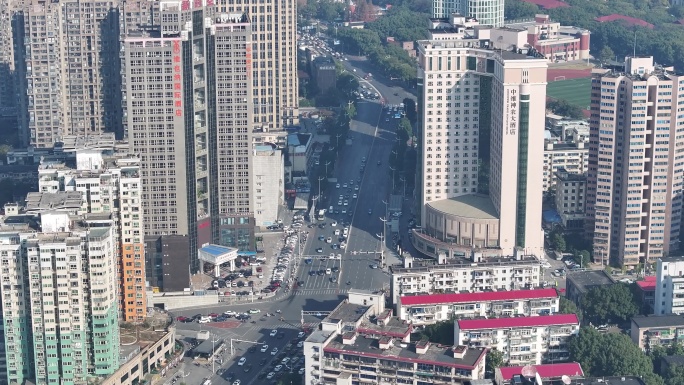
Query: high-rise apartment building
111	191
275	89
634	182
68	75
187	86
487	12
7	79
59	295
669	288
481	160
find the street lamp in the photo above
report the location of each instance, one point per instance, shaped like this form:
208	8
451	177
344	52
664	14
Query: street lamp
319	186
393	170
338	142
384	239
403	183
326	168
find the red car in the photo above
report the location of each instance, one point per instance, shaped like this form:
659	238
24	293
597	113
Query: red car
181	319
213	315
259	270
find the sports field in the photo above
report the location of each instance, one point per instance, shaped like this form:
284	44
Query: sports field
574	91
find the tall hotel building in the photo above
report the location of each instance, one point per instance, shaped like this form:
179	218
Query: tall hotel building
487	12
66	67
634	183
110	188
480	107
275	88
187	81
59	293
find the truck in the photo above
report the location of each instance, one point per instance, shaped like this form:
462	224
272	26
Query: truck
321	215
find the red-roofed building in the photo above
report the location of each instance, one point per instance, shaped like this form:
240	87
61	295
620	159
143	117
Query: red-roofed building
647	289
625	19
428	309
547	373
522	340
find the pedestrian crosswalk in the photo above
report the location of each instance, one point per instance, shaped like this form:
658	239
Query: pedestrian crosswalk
313	292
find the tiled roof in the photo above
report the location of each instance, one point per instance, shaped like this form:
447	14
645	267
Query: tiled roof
570	369
628	19
478	297
518	322
648	284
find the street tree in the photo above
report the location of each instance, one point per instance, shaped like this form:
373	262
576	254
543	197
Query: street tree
610	354
567	307
612	304
558	241
495	359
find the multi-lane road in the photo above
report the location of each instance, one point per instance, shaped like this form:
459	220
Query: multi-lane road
373	138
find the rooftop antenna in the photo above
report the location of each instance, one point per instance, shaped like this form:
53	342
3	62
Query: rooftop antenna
635	41
528	371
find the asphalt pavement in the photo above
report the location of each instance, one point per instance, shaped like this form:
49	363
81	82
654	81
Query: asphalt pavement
373	137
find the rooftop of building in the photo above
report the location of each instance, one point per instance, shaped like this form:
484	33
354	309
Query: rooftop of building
566	146
587	279
547	371
393	327
467	206
216	250
565	176
513	295
658	321
672	259
627	380
38	201
674	360
133	338
648	283
399	351
517	322
429	265
298	139
468	41
627	19
347	312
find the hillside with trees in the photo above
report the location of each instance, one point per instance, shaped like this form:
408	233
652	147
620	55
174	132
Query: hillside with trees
615	39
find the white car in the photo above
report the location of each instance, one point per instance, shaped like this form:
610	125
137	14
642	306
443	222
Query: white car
354	196
333	224
264	348
300	344
204	320
301	335
301	371
236	382
345	232
274	351
242	361
337	232
278	368
271	375
229	312
328	271
254	311
273	333
337	185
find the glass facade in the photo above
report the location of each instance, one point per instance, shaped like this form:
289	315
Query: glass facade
523	144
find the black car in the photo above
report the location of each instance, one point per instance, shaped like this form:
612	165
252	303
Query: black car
252	349
336	269
261	375
230	376
312	273
280	336
247	368
196	317
263	362
321	272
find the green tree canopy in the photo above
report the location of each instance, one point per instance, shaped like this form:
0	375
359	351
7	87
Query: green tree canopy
440	333
495	359
610	354
610	304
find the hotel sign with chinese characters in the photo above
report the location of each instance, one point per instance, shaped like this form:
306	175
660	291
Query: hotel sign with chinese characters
177	79
511	113
248	60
